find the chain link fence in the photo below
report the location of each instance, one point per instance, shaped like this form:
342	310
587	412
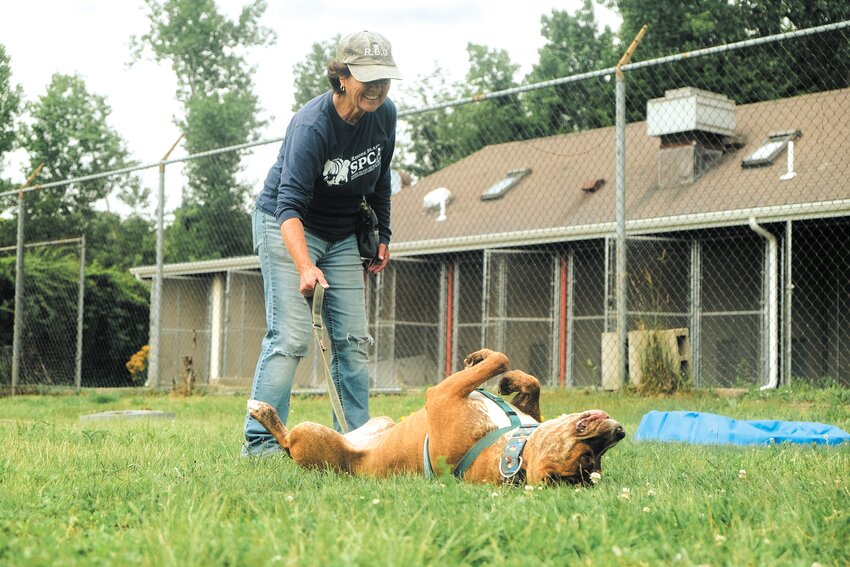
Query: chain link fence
688	218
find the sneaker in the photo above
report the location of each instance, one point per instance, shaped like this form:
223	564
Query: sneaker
262	449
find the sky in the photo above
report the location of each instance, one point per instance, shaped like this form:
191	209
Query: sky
91	38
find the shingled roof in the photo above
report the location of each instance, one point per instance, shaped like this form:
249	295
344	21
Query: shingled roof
550	204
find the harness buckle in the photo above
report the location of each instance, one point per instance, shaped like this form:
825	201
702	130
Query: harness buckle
510	475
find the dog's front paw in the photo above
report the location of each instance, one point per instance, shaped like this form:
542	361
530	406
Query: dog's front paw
474	358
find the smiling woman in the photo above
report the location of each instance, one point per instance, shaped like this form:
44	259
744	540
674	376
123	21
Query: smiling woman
335	156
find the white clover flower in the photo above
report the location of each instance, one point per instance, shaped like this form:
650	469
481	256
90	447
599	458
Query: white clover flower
742	473
376	501
617	551
494	494
646	509
289	498
719	539
595	477
528	488
625	493
650	492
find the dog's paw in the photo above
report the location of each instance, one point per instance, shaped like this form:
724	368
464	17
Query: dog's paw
478	356
257	405
260	410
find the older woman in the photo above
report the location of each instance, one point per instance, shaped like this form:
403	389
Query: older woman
337	149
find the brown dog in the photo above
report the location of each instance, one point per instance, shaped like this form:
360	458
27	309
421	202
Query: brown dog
563	450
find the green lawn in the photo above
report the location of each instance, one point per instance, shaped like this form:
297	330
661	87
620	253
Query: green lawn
176	492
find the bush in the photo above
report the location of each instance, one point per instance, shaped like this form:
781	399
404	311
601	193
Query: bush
115	319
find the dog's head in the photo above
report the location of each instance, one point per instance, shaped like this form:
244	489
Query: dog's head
570	448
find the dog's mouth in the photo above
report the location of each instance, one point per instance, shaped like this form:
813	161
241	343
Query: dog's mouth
555	479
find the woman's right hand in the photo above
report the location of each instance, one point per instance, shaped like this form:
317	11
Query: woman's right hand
309	278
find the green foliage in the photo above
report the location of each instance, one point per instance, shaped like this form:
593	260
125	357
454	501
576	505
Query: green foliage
207	53
120	243
10	105
69	134
115	325
573	45
176	492
205	49
659	373
311	78
115	319
761	73
442	137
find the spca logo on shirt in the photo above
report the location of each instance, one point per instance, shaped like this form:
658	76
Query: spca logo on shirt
342	170
336	171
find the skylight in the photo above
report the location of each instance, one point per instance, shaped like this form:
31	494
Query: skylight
770	149
498	189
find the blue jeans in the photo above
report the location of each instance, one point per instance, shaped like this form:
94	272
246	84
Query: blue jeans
290	328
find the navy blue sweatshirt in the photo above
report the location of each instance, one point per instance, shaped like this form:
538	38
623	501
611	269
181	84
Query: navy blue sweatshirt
325	166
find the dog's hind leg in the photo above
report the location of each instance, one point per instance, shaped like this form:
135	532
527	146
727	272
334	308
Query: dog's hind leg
527	390
268	418
313	445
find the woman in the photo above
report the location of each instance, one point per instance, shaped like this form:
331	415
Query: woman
337	149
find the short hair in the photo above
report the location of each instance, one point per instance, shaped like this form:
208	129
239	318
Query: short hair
335	71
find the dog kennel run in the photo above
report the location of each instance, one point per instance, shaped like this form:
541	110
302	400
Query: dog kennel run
549	307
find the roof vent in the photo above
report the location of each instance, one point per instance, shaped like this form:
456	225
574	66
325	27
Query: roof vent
694	126
498	189
592	185
689	109
438	199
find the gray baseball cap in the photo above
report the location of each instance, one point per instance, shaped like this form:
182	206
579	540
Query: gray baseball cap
369	56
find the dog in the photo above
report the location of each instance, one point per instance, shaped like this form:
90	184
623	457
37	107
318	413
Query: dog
565	450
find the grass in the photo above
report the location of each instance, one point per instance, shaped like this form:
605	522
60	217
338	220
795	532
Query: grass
176	492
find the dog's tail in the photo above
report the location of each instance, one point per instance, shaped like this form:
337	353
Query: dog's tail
527	390
268	418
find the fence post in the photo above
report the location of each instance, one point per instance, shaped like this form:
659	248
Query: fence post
155	359
19	296
19	284
622	320
78	370
154	368
622	287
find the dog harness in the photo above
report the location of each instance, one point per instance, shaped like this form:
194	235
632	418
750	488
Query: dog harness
511	461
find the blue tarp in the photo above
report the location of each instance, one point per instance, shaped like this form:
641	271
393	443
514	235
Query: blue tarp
712	429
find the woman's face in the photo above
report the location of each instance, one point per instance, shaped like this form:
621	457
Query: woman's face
366	97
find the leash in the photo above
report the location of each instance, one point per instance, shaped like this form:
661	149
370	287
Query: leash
511	461
336	403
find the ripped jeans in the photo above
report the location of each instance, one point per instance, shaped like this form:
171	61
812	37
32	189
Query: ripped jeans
290	329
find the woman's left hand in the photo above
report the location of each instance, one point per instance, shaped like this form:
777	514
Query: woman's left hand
381	260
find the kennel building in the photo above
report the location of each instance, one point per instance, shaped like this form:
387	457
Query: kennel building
738	233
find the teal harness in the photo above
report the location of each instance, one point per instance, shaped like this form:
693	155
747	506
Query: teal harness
511	461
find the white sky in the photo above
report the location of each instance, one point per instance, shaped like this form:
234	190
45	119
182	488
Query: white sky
91	38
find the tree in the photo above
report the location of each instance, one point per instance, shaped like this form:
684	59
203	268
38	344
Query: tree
753	74
573	45
10	105
441	137
311	77
68	132
115	320
205	50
